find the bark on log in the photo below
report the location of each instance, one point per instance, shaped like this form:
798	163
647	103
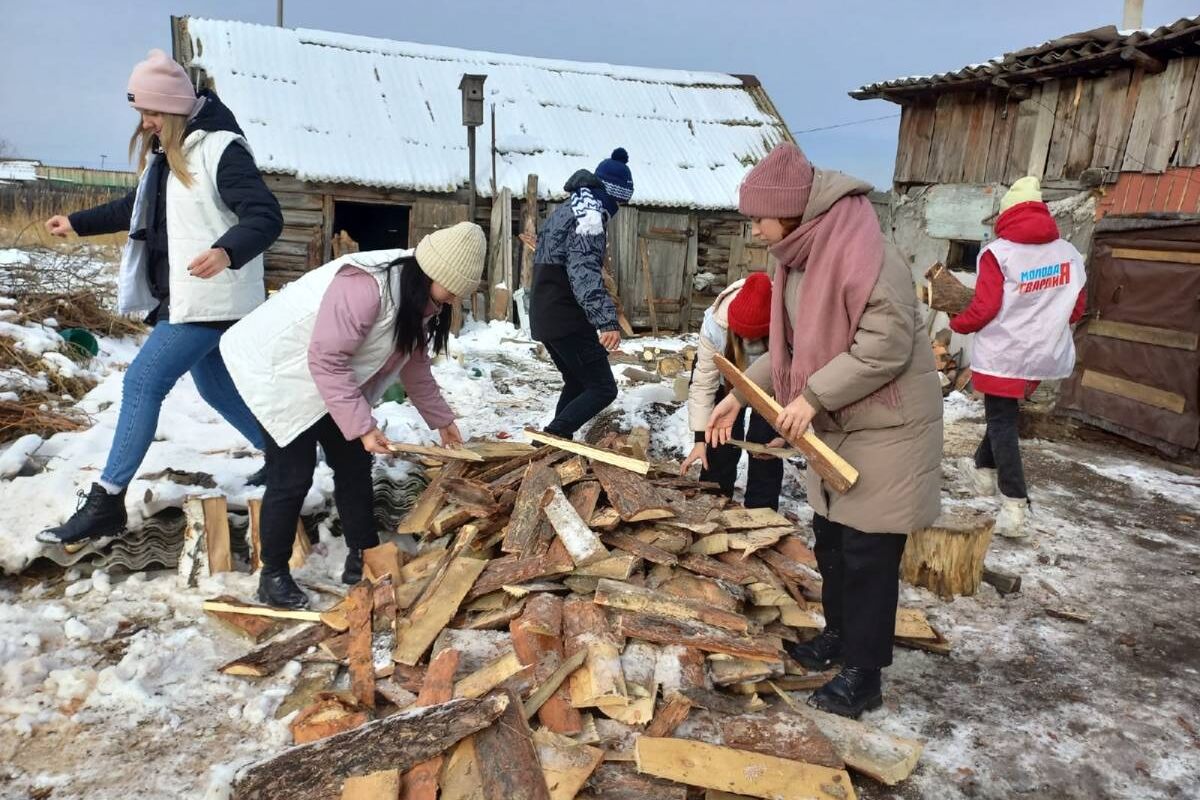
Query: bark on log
528	531
633	498
708	638
508	761
421	782
946	292
537	638
270	657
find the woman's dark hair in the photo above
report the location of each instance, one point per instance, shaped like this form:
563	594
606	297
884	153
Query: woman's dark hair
411	334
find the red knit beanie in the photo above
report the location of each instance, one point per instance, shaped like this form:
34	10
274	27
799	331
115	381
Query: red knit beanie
160	84
750	309
778	186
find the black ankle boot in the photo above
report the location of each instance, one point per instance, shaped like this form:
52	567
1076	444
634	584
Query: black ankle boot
817	654
258	478
352	572
276	588
99	514
851	692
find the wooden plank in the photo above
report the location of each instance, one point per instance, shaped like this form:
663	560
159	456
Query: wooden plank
434	612
489	676
1004	122
581	543
420	517
566	764
421	782
708	638
547	689
381	785
1188	154
1085	127
383	560
254	628
762	450
978	137
507	758
272	656
943	132
216	534
362	665
529	215
866	749
626	597
1046	96
594	453
833	469
1113	93
316	771
647	283
500	255
1138	392
1167	256
1145	334
634	499
920	143
330	618
740	771
440	453
1069	96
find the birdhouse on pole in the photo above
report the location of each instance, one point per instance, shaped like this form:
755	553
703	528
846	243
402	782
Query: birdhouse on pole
472	99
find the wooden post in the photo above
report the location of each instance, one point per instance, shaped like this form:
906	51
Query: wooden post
947	557
648	284
528	228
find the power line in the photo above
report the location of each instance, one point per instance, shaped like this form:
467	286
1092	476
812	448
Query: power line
846	124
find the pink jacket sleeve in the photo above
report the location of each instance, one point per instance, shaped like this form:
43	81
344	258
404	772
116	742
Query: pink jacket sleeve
348	310
423	390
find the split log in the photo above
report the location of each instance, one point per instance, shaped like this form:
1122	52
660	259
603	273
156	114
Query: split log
432	614
704	637
205	538
272	656
510	570
419	519
946	292
596	454
740	771
475	496
420	782
382	785
625	597
582	544
632	544
316	771
528	531
552	684
440	453
781	734
489	676
507	758
737	574
866	749
671	713
361	658
718	701
583	497
729	671
329	715
585	629
755	449
947	557
566	764
633	498
749	518
537	640
711	545
572	470
834	470
383	560
315	678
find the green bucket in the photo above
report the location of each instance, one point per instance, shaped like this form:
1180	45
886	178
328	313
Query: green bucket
81	344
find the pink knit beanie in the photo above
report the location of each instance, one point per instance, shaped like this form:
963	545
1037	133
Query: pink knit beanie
778	186
159	84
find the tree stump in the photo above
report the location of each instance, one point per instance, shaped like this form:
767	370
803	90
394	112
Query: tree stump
947	558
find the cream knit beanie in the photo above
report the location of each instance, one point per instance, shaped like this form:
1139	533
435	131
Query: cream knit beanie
1027	189
454	256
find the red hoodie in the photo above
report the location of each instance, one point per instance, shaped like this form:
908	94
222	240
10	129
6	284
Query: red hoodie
1024	223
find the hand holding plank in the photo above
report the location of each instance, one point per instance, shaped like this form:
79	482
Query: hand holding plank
832	468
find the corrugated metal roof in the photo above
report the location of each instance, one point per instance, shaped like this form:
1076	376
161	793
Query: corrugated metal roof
1091	51
18	169
339	108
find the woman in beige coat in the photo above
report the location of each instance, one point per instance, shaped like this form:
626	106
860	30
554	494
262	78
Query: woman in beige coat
848	357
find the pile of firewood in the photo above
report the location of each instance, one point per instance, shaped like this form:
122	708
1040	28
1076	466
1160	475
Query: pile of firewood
572	622
953	375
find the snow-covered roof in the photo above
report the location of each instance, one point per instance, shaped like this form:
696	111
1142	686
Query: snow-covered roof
340	108
18	169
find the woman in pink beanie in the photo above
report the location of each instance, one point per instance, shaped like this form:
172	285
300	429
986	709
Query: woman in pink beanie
847	356
198	221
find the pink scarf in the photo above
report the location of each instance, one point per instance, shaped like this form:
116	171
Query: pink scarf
841	254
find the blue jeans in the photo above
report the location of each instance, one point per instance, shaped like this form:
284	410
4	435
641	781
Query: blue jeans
170	351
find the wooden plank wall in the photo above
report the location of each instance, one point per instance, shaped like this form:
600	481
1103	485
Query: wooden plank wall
1126	120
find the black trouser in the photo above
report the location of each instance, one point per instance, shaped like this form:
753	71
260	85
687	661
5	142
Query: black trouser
1000	449
289	476
860	575
765	477
588	383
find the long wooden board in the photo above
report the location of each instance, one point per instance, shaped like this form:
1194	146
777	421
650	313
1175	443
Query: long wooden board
740	771
832	468
440	453
1144	334
1131	390
435	611
1171	256
595	453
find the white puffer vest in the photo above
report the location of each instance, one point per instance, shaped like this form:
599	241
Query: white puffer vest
196	218
1031	336
267	351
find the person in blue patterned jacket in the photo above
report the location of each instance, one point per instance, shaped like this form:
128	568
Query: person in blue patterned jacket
570	312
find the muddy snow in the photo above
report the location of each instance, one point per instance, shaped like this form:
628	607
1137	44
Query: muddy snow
109	688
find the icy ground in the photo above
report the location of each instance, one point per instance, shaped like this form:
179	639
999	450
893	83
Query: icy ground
109	688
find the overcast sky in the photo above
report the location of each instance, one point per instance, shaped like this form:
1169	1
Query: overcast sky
64	64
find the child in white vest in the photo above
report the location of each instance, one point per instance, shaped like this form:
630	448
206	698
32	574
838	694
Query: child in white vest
1029	290
314	359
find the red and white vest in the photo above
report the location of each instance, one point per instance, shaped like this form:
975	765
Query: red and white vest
1031	336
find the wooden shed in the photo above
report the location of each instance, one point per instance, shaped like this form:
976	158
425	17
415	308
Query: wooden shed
362	139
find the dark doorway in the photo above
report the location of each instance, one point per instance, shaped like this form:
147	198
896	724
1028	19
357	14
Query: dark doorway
372	226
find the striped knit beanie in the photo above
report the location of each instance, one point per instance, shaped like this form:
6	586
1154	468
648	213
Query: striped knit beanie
614	173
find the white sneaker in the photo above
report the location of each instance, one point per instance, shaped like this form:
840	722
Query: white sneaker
1010	522
982	479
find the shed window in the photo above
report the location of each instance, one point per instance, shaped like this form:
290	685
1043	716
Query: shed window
963	254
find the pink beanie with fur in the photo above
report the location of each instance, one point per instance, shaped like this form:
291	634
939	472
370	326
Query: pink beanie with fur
160	84
778	187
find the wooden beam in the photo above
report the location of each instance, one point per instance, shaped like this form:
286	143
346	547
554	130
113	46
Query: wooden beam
740	771
595	453
1138	392
1144	334
316	771
832	468
1169	256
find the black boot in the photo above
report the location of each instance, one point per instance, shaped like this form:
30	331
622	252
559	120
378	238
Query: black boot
276	588
99	514
851	692
819	653
352	572
258	478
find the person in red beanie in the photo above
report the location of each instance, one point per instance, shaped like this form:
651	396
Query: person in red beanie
847	356
735	326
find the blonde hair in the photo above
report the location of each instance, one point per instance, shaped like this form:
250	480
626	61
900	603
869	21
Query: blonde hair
171	142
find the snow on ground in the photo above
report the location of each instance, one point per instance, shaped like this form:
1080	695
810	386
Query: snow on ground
109	688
